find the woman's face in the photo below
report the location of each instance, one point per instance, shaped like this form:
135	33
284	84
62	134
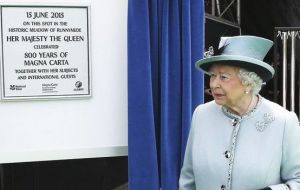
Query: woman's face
226	86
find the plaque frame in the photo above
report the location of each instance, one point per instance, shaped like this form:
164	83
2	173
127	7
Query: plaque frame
48	88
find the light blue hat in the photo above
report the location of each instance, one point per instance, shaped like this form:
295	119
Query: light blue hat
242	51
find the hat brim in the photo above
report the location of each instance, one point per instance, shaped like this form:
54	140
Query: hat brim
262	69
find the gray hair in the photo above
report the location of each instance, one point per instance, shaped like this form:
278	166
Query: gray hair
249	78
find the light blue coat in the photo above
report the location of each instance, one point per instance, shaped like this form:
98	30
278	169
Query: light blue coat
266	152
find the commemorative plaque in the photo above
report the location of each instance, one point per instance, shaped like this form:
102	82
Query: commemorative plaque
45	52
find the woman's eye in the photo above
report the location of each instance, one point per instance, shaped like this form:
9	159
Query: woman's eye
224	77
212	75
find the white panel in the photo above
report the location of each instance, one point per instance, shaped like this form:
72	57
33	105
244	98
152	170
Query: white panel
76	128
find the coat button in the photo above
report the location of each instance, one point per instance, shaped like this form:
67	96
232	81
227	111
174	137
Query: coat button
223	187
234	122
227	154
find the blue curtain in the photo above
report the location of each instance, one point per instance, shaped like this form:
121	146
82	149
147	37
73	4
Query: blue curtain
165	38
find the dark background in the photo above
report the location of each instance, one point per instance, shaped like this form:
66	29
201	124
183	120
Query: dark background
78	174
260	17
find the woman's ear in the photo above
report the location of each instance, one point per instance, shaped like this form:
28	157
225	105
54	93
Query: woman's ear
248	89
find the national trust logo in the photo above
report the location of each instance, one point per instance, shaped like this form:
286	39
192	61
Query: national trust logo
12	87
16	87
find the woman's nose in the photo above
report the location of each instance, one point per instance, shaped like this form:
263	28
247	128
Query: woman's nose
214	82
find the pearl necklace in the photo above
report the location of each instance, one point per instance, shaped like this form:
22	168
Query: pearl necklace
251	105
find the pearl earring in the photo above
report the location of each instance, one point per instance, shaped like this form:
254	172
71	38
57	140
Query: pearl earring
246	92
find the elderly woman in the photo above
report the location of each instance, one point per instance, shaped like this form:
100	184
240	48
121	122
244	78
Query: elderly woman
240	140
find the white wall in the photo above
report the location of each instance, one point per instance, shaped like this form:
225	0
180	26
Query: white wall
76	128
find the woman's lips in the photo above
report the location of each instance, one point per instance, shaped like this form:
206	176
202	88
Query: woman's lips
217	95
